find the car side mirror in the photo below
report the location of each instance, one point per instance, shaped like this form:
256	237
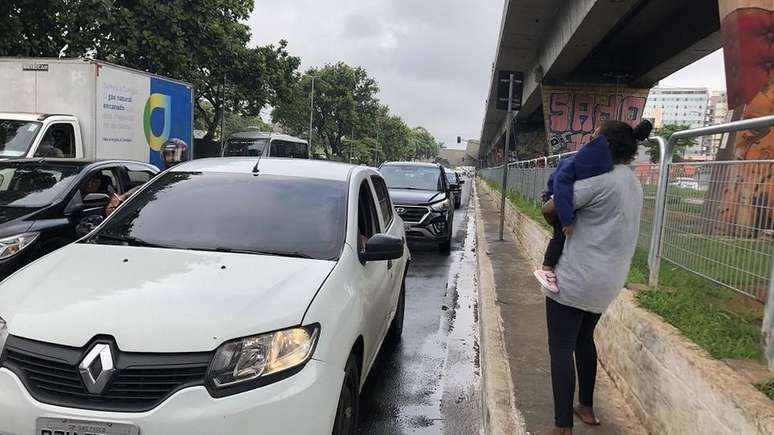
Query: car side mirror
382	247
96	200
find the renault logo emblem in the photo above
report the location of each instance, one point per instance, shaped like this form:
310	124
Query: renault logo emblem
400	210
97	368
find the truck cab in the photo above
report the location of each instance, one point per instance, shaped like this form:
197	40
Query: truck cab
28	135
264	144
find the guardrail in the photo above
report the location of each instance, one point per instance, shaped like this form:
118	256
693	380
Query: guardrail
714	219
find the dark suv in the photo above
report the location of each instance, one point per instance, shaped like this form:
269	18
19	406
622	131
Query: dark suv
423	199
455	185
48	203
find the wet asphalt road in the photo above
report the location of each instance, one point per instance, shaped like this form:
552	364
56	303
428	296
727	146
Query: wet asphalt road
429	383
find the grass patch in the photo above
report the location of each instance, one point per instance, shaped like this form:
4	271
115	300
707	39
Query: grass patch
723	322
766	388
522	203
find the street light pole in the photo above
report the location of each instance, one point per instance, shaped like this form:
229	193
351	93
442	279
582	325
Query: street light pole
311	113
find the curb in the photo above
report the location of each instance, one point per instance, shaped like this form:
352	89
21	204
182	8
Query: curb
500	415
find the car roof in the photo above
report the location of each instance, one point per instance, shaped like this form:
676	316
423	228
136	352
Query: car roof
418	164
303	168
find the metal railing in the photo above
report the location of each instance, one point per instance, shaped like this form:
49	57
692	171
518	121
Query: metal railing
714	219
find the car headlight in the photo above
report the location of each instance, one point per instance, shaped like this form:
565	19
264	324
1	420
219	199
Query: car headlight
11	246
250	362
440	205
3	334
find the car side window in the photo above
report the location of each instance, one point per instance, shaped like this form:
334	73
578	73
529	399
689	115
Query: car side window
101	181
383	196
367	224
58	141
137	177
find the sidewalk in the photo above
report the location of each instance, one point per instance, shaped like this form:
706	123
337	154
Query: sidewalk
523	316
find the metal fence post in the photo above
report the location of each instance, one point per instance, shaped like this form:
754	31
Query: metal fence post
768	323
654	254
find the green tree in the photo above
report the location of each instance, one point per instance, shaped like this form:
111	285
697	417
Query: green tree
679	148
424	144
345	106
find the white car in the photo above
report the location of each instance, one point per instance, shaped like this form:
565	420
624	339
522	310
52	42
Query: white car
228	296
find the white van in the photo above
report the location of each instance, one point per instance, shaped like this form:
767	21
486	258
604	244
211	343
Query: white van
263	144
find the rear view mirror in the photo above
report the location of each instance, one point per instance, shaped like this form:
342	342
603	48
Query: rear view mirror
382	247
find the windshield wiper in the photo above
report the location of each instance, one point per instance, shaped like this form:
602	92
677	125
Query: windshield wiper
129	240
294	254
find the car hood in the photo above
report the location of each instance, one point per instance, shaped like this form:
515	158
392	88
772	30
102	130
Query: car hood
414	197
157	300
15	220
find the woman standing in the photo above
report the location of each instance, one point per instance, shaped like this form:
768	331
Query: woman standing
591	272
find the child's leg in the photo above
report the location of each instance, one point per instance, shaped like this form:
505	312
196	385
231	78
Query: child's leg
554	248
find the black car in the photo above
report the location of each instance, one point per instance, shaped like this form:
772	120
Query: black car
48	203
455	185
422	198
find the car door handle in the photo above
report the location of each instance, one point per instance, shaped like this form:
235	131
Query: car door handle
389	264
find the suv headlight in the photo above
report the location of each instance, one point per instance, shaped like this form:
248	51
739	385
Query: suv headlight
250	362
11	246
440	205
3	334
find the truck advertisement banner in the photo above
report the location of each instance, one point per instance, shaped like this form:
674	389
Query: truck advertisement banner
139	117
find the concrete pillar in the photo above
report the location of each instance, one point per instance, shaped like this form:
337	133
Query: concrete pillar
747	28
573	112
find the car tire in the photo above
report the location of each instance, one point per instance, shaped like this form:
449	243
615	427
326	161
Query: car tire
396	327
348	408
445	246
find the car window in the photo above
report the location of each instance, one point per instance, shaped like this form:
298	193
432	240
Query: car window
101	181
245	147
34	186
58	141
293	150
271	214
367	224
16	137
138	177
412	177
383	196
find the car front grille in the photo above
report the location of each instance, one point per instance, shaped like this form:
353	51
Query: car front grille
411	213
140	382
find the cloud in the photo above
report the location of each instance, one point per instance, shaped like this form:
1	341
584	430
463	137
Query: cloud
432	58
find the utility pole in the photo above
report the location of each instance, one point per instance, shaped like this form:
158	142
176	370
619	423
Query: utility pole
223	114
506	147
311	113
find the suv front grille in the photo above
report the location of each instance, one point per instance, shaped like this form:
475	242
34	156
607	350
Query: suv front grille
141	381
412	213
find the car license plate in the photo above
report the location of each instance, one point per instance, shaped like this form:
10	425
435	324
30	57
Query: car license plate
66	426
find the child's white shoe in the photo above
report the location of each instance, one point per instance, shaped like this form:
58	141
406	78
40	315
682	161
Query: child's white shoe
547	279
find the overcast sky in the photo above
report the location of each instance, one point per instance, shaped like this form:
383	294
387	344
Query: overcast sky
432	58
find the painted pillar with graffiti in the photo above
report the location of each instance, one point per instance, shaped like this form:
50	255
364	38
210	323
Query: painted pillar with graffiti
573	112
747	28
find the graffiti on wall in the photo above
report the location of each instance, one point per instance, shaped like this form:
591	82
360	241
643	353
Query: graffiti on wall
573	113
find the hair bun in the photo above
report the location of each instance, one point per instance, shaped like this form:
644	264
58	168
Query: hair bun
642	130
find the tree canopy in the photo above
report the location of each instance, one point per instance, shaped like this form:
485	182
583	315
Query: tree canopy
679	148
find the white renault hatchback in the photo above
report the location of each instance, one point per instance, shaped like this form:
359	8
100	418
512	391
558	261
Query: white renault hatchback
228	296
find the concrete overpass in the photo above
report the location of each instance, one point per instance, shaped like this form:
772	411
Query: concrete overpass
589	60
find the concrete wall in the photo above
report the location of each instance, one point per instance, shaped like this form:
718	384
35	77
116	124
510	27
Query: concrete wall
572	113
672	385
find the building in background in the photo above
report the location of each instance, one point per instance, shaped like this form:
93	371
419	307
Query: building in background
679	106
717	113
458	157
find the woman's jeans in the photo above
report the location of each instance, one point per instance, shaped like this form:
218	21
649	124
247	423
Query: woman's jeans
571	330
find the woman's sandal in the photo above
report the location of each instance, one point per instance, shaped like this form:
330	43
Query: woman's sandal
594	422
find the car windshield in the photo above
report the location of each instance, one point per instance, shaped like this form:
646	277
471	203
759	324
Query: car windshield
16	137
33	186
451	177
412	177
269	214
245	147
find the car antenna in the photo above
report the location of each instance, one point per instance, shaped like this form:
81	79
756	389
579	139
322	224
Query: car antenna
255	168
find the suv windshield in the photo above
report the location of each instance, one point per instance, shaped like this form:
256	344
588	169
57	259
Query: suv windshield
16	137
412	177
451	177
33	186
278	215
245	147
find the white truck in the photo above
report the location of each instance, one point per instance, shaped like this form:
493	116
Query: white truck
80	108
